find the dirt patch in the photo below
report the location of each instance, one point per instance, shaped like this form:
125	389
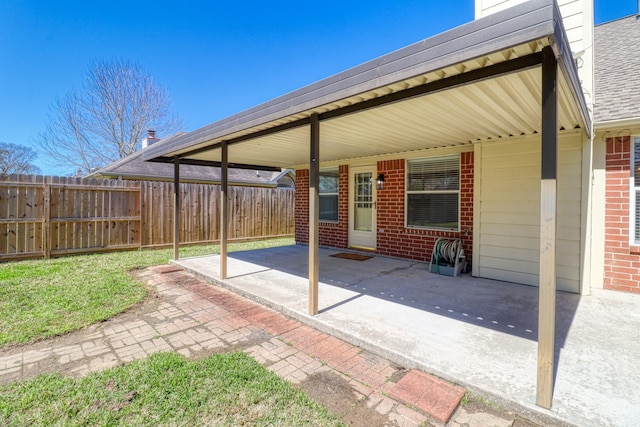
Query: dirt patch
475	404
257	337
520	422
398	374
338	396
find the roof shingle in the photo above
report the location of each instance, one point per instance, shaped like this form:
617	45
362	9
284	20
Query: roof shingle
617	69
134	168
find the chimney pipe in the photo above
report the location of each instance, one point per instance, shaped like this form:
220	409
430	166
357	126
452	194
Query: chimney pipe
151	138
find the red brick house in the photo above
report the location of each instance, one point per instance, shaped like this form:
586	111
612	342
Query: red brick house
517	133
393	238
615	209
498	133
452	124
454	128
617	146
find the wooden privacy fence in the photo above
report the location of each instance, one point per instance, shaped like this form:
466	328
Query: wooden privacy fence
253	212
45	216
51	216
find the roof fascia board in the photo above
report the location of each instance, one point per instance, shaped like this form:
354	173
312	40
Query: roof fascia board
282	174
616	128
562	49
502	68
114	166
198	162
118	163
523	23
257	134
134	177
617	124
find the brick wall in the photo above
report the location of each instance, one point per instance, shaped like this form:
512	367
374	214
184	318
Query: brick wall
301	215
333	234
622	260
396	240
466	202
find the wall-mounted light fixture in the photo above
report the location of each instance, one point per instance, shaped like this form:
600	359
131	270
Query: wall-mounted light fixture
380	182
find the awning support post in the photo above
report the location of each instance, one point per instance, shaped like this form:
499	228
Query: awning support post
176	207
314	214
548	201
224	207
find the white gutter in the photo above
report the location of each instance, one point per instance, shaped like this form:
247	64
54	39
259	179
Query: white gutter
620	127
617	124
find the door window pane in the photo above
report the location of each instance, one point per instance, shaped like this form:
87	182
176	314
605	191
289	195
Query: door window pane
363	199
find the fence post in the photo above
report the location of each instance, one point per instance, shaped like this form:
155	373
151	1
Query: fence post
140	207
46	226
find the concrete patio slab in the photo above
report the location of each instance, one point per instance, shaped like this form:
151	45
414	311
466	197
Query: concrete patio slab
481	334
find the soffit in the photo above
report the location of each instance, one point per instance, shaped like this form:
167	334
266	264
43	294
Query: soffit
438	75
490	109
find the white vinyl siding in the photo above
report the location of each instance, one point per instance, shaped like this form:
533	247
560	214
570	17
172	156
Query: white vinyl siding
577	19
509	209
572	16
433	193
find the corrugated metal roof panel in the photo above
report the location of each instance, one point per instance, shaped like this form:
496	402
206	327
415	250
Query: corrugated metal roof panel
493	107
487	110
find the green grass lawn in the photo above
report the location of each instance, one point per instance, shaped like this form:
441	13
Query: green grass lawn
165	389
44	298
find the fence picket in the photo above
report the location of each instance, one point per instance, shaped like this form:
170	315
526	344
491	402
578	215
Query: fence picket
45	216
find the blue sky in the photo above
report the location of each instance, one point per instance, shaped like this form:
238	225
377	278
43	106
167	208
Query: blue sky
215	58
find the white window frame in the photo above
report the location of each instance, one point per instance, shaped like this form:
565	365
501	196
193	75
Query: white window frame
407	192
337	194
634	193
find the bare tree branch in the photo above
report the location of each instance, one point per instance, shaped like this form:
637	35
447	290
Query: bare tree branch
17	159
107	118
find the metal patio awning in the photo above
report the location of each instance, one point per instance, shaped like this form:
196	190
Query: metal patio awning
486	72
511	73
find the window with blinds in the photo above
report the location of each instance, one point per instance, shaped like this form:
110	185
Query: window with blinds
328	192
636	191
433	193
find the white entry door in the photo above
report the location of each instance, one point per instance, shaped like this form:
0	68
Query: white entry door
362	207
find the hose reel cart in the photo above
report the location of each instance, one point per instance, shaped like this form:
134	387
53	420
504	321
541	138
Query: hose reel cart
447	257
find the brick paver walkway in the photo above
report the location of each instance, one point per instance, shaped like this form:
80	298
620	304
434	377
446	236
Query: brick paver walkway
196	319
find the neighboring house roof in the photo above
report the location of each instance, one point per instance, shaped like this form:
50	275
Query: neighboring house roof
617	70
134	168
